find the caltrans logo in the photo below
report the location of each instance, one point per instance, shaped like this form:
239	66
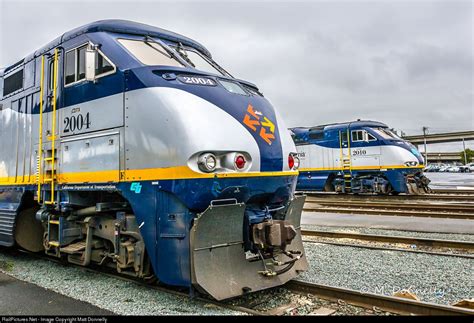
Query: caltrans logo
256	121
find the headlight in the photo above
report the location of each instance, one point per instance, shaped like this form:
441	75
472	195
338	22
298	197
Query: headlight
411	163
207	162
220	161
297	162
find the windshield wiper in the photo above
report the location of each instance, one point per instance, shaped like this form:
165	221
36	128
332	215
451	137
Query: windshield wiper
168	50
181	51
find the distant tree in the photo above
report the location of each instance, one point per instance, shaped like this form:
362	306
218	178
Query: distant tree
469	156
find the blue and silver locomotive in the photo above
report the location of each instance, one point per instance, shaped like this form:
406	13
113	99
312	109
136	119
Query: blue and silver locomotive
128	146
358	157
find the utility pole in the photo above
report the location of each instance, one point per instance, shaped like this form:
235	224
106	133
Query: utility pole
424	137
464	150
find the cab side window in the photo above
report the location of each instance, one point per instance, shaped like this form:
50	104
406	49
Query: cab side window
75	65
316	135
102	65
51	75
13	82
81	63
343	135
357	135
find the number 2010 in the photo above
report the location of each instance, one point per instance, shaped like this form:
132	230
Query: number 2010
359	152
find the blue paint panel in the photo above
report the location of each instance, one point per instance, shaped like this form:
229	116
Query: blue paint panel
397	180
312	181
167	210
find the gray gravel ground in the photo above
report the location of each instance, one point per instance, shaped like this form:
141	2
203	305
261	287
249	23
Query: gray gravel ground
429	235
432	278
120	297
436	279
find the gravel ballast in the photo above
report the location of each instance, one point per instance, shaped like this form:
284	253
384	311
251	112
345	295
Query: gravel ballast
113	294
438	279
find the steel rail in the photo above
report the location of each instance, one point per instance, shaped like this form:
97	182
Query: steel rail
401	197
439	243
369	300
367	211
363	246
466	207
452	191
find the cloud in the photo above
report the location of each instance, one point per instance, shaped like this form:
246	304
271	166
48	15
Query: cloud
408	64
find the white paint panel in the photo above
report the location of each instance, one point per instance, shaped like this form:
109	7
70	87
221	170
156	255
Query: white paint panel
322	157
166	126
104	113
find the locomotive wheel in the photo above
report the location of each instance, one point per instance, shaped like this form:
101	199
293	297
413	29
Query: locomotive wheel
29	231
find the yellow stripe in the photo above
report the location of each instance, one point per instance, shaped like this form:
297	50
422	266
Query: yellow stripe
362	168
89	177
168	173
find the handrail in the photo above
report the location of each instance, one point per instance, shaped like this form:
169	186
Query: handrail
53	130
40	143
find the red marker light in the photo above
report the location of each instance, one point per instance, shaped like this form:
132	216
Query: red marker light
240	162
291	161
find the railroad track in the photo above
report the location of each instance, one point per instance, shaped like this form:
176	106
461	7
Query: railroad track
336	205
466	247
440	243
370	301
452	191
401	197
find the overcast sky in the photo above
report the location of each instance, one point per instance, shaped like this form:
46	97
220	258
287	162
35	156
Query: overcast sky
406	63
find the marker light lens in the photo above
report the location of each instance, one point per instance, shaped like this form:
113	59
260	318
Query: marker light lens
240	162
291	161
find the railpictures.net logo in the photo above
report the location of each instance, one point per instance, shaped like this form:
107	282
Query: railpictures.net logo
438	292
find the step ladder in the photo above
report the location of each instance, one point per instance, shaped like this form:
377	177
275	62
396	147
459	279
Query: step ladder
46	162
346	163
54	236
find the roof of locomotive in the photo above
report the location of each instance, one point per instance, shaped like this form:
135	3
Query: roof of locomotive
116	26
340	125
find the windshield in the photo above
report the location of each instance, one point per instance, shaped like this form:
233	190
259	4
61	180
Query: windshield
386	133
149	53
199	62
